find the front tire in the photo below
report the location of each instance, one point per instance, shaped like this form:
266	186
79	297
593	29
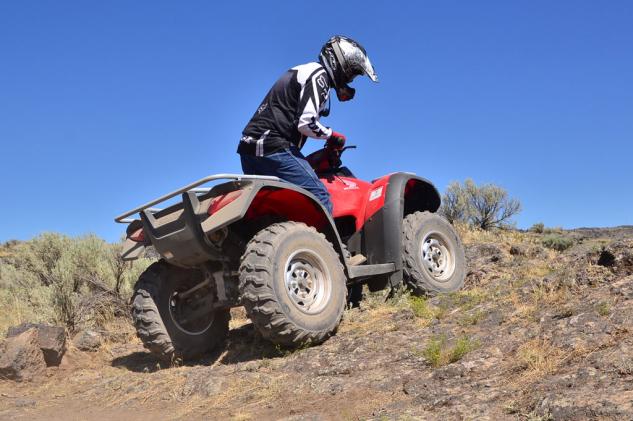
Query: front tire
168	326
433	254
292	284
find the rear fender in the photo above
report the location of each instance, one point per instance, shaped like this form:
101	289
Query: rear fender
292	203
183	233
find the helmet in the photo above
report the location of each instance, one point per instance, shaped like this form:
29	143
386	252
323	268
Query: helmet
344	59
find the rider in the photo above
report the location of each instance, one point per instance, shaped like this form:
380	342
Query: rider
272	140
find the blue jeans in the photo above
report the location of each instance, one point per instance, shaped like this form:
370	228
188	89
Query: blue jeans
290	165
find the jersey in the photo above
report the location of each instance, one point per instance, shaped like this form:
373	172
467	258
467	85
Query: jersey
289	113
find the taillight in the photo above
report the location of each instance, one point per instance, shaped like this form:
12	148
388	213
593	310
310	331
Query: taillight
138	236
221	201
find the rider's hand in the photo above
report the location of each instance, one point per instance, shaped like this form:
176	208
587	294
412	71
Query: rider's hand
335	141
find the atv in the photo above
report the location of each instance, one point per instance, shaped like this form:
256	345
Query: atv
272	247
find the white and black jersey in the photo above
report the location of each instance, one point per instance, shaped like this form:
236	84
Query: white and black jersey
289	113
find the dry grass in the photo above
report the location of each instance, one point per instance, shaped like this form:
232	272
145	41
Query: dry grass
538	358
369	319
470	235
258	391
523	310
533	270
504	237
239	318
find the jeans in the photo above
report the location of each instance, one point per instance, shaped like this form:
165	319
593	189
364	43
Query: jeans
290	165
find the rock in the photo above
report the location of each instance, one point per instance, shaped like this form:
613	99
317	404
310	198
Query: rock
87	340
475	276
517	250
204	382
486	252
623	287
22	359
24	403
617	256
536	251
51	340
403	315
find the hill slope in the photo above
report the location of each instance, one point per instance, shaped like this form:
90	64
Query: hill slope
535	334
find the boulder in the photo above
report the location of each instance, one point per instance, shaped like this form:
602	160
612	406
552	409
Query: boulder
517	250
483	253
87	340
51	340
22	359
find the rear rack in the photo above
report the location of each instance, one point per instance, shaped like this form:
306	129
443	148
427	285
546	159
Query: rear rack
123	218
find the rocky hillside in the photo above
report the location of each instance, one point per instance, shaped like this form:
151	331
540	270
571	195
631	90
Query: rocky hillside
542	330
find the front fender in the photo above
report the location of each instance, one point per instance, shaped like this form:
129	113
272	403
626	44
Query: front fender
382	233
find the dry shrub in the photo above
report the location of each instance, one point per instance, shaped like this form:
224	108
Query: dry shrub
538	358
76	282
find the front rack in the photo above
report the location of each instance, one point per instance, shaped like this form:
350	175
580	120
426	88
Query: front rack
123	218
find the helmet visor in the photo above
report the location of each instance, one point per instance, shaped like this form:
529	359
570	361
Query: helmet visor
369	70
356	60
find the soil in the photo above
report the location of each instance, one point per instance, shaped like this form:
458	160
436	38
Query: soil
535	334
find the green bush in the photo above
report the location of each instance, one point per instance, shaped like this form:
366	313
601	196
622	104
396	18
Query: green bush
603	308
437	352
421	307
486	206
433	351
538	228
557	242
77	282
462	346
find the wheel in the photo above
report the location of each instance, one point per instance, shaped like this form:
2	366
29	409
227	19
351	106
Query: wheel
171	324
433	254
292	284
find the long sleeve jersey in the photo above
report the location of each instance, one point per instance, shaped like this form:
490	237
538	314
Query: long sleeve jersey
289	113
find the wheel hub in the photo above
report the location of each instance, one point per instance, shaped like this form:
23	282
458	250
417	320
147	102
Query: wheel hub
192	313
437	257
308	282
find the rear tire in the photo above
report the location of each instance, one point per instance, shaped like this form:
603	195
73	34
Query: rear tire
292	284
157	325
433	255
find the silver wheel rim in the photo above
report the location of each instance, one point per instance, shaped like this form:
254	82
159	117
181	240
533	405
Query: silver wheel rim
438	256
190	327
307	280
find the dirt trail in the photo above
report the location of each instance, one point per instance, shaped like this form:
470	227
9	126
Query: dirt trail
536	334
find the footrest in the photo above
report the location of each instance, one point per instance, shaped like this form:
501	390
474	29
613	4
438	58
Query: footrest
369	270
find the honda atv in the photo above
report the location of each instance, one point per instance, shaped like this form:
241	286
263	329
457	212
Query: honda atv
272	247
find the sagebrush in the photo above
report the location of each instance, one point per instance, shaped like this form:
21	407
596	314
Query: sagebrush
486	206
76	282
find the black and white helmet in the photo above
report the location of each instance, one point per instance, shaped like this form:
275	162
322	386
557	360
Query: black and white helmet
344	59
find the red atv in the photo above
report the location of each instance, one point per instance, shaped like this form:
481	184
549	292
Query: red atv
271	246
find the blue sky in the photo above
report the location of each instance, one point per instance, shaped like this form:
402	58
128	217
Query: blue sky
105	105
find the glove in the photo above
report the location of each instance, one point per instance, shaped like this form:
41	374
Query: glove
336	141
